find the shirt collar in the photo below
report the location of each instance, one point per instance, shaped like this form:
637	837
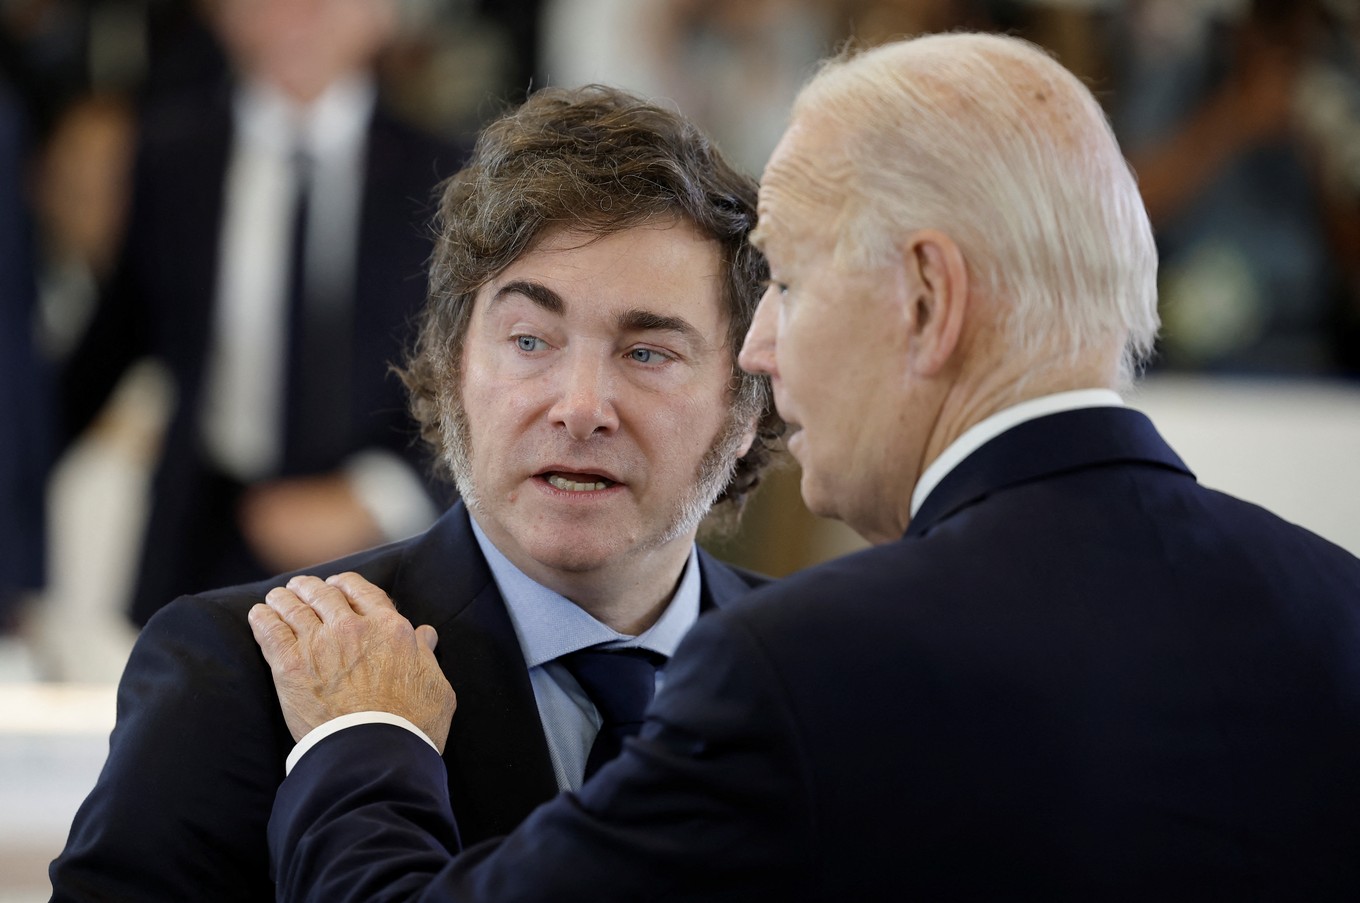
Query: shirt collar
549	625
333	123
989	428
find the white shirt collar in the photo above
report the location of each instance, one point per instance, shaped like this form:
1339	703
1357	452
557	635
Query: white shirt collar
549	625
989	428
335	122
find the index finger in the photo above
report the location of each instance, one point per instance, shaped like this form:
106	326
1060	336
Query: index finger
366	598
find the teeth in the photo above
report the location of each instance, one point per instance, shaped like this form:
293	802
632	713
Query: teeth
570	486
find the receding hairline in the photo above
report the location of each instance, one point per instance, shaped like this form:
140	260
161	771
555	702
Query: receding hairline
1018	161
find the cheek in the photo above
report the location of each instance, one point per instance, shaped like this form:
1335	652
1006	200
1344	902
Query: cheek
798	335
662	426
476	399
493	413
495	389
680	430
801	355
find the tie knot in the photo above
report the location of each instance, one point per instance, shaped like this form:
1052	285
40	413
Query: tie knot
621	682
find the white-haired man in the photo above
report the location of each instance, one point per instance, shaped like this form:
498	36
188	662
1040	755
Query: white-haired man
1066	671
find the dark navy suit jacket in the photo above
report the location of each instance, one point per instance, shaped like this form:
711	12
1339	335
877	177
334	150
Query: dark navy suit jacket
161	303
180	810
1079	676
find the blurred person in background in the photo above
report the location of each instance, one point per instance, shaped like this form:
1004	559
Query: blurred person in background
98	487
24	381
876	21
45	56
81	197
271	259
1241	121
734	67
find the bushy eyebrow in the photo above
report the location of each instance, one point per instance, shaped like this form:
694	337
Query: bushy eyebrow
536	292
633	320
637	320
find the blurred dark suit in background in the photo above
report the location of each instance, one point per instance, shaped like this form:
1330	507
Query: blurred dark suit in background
178	294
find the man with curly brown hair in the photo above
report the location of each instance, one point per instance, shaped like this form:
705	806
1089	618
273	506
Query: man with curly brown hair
576	373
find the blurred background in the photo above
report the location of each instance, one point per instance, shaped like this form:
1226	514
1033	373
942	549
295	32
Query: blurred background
1241	118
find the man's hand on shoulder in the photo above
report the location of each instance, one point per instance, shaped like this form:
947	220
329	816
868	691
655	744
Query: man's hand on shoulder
340	646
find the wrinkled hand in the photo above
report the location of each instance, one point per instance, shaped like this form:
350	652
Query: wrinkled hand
340	646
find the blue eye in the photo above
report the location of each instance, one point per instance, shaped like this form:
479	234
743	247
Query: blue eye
648	356
528	342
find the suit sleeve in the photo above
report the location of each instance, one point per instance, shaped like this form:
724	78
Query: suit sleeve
711	802
180	809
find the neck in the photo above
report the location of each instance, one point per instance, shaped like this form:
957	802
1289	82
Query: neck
629	603
302	93
975	396
627	594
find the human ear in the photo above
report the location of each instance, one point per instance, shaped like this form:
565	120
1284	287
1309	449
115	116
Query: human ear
937	299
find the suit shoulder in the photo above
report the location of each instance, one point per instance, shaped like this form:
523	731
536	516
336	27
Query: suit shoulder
178	121
727	579
379	565
867	575
752	579
404	148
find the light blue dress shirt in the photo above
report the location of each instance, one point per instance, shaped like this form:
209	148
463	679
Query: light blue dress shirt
550	625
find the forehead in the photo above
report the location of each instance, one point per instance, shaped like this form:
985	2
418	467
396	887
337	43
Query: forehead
802	185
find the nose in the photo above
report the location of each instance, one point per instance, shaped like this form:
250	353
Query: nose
585	404
757	352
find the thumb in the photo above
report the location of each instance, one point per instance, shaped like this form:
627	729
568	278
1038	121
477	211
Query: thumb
427	635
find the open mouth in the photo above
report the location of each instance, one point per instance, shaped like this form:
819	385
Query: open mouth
578	482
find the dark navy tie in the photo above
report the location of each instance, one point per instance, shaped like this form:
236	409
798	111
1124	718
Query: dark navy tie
316	401
621	683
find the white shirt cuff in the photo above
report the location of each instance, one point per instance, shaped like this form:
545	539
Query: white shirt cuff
317	734
392	493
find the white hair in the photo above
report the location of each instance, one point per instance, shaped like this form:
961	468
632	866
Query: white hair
989	140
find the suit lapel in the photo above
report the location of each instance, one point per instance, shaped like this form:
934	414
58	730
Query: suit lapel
183	256
398	200
721	584
1042	447
497	756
